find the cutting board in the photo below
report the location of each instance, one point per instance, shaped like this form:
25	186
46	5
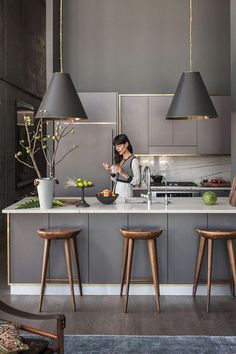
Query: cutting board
218	185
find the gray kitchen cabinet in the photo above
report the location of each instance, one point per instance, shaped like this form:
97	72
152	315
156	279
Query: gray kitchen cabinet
94	137
141	263
134	121
214	134
181	136
105	248
57	263
153	134
95	147
159	128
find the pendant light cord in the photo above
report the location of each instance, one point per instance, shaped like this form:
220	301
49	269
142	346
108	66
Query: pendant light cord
61	36
190	33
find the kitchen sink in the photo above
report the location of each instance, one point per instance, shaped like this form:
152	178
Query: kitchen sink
140	200
135	200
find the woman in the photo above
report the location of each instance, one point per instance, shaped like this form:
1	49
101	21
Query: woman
125	171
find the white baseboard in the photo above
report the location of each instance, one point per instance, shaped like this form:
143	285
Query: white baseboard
114	289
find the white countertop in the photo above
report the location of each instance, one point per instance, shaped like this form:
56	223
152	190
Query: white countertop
177	206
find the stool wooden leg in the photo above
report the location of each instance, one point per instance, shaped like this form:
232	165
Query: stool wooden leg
128	270
76	257
154	266
209	271
232	262
124	263
69	271
201	247
155	241
47	244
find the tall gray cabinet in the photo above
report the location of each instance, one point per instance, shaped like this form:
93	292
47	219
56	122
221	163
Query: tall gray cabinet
94	138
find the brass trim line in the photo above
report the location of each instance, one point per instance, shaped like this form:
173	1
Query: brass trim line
8	250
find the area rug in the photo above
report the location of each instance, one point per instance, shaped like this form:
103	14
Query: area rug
80	344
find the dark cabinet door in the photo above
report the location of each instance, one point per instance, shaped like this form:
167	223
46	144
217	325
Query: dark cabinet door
2	39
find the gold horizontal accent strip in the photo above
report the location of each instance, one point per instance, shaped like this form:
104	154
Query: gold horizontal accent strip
145	94
97	284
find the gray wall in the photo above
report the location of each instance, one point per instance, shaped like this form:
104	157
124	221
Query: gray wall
137	46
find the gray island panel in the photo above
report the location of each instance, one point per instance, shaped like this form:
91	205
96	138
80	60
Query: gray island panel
57	255
105	247
26	247
182	246
141	262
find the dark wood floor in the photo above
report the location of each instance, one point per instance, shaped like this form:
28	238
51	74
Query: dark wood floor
180	315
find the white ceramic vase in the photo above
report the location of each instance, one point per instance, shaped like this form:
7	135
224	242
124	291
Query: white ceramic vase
46	190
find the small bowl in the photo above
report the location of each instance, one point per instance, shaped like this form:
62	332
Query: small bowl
106	200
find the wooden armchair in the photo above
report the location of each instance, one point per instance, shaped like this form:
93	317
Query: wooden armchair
60	325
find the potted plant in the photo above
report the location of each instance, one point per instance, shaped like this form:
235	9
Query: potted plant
38	140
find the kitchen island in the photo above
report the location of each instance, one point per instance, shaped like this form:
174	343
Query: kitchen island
100	245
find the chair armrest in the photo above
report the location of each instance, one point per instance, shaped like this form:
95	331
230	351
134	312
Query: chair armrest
60	318
32	316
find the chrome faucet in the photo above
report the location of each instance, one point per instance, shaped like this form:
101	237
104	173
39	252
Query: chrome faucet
166	198
147	180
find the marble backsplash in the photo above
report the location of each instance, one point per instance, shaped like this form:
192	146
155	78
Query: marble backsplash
189	168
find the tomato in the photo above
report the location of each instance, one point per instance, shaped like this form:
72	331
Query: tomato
214	180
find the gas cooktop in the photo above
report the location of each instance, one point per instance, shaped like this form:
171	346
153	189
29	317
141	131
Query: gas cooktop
175	184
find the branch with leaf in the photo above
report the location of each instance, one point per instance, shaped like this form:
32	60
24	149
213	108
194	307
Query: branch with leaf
38	140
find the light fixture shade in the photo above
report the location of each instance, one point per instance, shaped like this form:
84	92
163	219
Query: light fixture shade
61	101
191	99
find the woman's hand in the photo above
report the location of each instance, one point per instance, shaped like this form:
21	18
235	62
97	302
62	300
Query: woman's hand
107	166
117	169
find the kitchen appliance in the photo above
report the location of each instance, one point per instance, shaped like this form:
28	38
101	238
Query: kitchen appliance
185	192
157	178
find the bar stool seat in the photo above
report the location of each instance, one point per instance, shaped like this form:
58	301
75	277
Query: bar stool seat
129	238
210	236
60	234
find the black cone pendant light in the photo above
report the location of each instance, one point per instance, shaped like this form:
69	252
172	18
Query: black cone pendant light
61	101
191	99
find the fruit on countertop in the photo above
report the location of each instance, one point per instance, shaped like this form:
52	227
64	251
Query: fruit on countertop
209	198
106	193
217	180
83	183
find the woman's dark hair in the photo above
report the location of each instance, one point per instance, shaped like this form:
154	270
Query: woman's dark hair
118	140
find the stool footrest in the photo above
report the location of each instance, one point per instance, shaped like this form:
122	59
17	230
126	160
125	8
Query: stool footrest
140	280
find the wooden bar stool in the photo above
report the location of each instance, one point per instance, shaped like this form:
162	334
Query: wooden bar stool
60	234
210	236
129	238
